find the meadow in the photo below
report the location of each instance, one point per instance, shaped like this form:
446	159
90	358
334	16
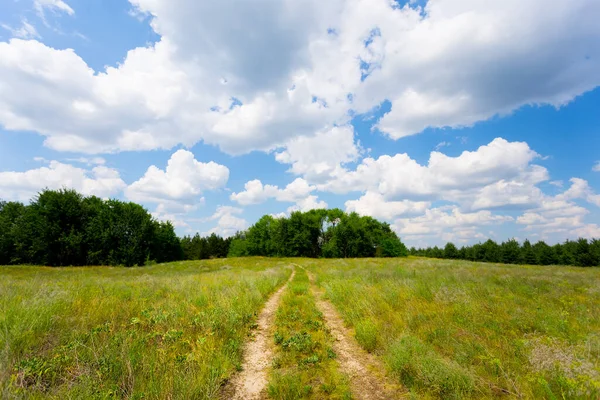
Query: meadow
457	329
443	329
170	331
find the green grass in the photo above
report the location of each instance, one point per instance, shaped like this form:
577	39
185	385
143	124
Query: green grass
304	366
444	329
166	331
455	329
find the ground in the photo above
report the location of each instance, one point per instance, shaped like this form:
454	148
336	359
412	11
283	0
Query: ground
415	327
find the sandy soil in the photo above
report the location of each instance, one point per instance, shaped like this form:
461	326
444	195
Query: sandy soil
251	382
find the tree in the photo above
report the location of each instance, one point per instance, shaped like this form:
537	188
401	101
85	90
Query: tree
527	254
450	251
319	233
10	215
510	252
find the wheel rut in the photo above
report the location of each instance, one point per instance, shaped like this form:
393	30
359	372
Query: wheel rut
251	382
366	373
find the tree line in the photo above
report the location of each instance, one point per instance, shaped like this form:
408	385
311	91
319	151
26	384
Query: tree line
63	228
318	233
582	253
202	248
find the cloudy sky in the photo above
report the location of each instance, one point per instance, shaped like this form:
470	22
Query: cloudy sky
451	119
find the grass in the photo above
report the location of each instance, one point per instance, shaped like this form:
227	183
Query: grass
455	329
304	366
444	329
166	331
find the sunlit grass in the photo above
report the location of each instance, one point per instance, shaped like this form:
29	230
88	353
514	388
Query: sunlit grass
305	364
445	329
455	329
166	331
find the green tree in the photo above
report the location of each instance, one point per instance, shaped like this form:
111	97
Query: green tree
450	251
510	252
527	254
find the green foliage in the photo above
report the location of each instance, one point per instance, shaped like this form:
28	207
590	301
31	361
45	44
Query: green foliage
582	253
450	251
202	248
319	233
62	228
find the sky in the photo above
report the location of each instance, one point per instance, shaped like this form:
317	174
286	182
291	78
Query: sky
453	120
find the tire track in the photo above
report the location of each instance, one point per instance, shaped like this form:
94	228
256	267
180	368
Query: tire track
366	372
251	382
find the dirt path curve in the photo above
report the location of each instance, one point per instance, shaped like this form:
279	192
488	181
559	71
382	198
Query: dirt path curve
366	373
251	382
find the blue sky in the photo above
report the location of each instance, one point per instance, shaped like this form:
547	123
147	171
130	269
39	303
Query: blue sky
453	120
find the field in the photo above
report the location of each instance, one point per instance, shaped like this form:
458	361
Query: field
441	329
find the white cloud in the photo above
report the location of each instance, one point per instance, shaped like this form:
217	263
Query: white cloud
558	218
580	189
255	192
297	192
472	178
22	186
88	160
227	221
320	157
374	205
307	204
441	145
53	5
25	31
596	167
180	185
447	223
453	63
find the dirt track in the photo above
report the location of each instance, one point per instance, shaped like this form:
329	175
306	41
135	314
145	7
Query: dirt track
366	373
251	382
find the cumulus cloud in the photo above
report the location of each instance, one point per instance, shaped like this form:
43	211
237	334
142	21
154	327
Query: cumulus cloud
255	192
447	223
306	204
472	178
22	186
297	192
580	189
228	221
374	204
306	68
596	167
321	156
180	185
559	217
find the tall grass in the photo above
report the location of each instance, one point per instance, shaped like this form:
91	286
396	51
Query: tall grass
304	366
456	329
166	331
